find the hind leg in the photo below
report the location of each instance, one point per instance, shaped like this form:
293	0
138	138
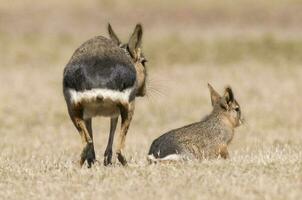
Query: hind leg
108	152
126	115
91	158
85	131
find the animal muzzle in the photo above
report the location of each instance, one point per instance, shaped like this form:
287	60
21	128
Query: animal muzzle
241	120
141	92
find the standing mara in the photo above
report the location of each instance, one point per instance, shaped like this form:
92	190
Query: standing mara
205	139
103	78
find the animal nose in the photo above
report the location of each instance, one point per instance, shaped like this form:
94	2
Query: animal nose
241	120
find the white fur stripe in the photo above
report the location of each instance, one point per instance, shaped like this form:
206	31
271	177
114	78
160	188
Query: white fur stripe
105	94
172	157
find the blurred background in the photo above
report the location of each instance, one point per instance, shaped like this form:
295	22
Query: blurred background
254	46
176	32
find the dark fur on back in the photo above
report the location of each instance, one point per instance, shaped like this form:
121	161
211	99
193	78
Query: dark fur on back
99	63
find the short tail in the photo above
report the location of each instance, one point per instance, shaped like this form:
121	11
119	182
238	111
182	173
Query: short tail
151	159
154	152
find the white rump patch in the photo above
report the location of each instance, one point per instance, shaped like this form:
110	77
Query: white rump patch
102	94
171	157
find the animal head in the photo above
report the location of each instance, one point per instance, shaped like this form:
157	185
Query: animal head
134	49
226	106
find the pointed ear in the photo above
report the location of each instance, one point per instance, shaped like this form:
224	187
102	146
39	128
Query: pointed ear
113	36
215	97
228	94
135	40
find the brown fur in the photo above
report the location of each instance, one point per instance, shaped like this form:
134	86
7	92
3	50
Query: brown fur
131	53
205	139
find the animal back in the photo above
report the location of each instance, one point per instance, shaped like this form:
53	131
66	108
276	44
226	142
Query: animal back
99	63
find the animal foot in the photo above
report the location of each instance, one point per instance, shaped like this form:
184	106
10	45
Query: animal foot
122	159
88	155
108	157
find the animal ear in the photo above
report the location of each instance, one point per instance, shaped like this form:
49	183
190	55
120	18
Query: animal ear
224	104
113	36
215	97
228	95
135	40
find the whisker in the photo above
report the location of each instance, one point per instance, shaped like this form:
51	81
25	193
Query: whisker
155	93
156	88
150	96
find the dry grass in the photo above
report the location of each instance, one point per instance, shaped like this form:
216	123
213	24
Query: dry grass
39	145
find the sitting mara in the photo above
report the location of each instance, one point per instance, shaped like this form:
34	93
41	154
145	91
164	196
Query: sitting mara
206	139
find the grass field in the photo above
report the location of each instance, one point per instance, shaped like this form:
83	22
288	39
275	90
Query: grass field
254	46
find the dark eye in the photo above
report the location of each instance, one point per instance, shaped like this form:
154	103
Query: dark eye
237	109
144	61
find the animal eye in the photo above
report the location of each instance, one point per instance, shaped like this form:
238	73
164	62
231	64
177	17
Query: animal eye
237	109
144	61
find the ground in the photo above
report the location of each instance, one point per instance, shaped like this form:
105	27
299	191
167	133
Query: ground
187	46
